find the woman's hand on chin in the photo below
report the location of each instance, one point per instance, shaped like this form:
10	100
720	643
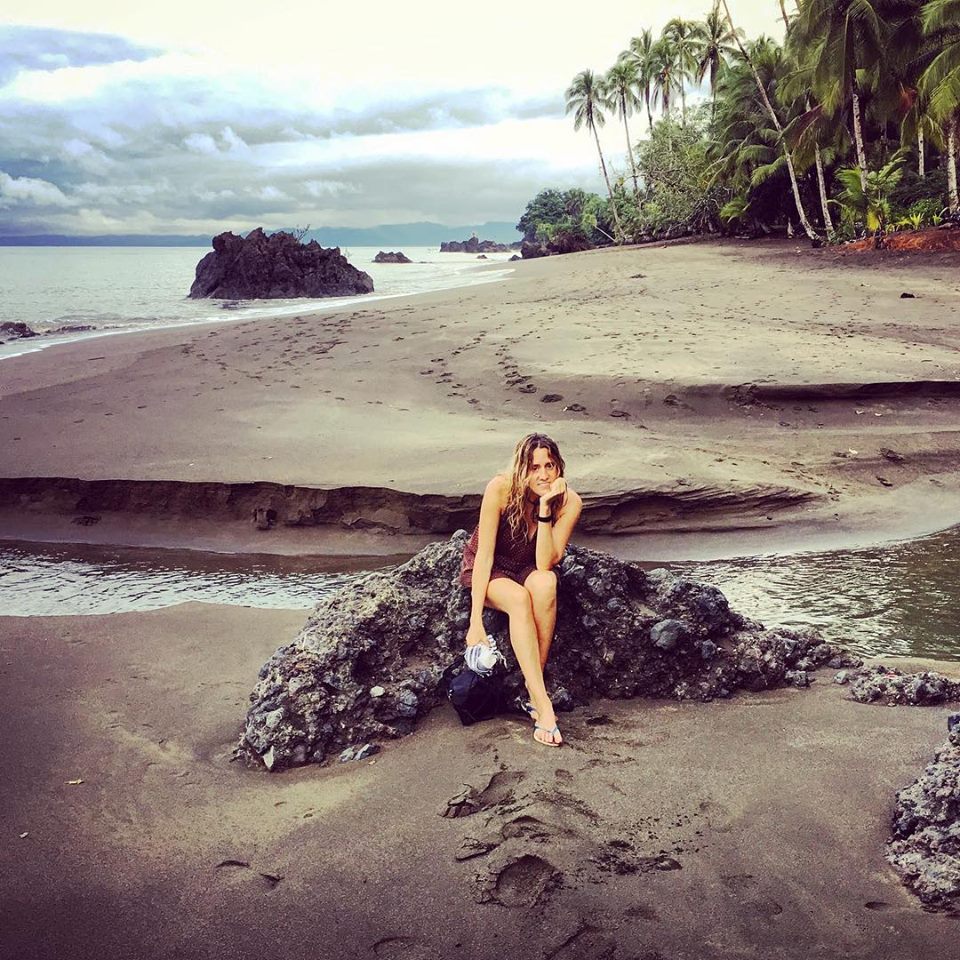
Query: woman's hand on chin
557	489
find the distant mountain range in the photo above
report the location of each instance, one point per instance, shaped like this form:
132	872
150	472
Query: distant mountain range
389	234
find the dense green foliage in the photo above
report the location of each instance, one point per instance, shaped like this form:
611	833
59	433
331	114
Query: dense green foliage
566	220
851	125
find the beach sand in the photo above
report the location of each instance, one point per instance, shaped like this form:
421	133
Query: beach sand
748	394
749	828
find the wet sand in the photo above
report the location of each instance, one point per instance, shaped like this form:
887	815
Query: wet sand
749	828
767	393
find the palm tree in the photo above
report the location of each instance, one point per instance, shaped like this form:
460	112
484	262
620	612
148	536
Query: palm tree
941	81
872	203
586	99
663	63
640	54
845	41
801	213
621	85
682	37
713	45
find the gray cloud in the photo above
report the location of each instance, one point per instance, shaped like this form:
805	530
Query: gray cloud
44	48
164	152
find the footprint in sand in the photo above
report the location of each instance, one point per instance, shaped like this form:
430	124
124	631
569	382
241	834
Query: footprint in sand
242	868
403	948
499	790
522	881
746	888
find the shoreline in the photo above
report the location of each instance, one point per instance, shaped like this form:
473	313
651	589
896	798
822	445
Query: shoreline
43	340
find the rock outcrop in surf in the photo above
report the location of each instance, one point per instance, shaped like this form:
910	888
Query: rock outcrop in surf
279	266
473	245
373	659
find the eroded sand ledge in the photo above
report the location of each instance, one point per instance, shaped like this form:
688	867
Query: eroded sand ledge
700	387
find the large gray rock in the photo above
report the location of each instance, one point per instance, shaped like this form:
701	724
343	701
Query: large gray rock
261	267
889	685
373	659
925	849
15	330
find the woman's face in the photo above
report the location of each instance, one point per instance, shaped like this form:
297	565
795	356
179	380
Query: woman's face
541	473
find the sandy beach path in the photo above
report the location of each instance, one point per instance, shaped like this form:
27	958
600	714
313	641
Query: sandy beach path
751	828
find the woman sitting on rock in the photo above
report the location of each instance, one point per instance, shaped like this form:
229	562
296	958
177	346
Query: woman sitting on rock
526	518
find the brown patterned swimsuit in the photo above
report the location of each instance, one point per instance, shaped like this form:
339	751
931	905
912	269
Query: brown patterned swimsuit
514	557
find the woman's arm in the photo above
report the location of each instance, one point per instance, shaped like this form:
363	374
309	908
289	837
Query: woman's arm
552	538
490	510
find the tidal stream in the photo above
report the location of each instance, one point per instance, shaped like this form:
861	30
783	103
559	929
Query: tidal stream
896	599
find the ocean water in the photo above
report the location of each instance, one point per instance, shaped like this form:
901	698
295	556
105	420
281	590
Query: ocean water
117	289
898	599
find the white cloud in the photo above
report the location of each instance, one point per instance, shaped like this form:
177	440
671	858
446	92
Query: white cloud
329	188
27	190
232	142
201	143
360	114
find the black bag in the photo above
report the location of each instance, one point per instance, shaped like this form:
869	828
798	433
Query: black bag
474	697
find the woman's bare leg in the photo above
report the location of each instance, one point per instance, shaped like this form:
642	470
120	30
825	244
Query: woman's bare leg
515	601
542	587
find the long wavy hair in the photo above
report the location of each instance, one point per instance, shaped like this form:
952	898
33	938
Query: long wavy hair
517	472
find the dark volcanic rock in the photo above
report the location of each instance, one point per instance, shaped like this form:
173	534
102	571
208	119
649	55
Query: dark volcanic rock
473	245
391	257
16	330
888	685
258	267
925	848
374	658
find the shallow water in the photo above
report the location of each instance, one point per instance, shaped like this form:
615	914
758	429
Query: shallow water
899	599
124	289
896	599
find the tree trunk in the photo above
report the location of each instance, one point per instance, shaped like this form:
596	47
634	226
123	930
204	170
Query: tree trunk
683	105
858	139
613	205
921	164
633	164
783	13
821	181
646	98
801	213
824	200
954	200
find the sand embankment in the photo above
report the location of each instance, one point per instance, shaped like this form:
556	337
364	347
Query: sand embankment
768	392
754	827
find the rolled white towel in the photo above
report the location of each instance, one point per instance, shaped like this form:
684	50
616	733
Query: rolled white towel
481	658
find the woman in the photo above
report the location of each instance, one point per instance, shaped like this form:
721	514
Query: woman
526	519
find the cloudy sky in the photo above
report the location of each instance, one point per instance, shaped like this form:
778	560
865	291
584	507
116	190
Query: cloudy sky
193	117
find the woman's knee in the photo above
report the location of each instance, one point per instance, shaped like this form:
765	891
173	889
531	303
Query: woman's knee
542	586
512	599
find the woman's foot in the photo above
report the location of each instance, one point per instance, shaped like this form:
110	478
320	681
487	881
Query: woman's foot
548	737
545	729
